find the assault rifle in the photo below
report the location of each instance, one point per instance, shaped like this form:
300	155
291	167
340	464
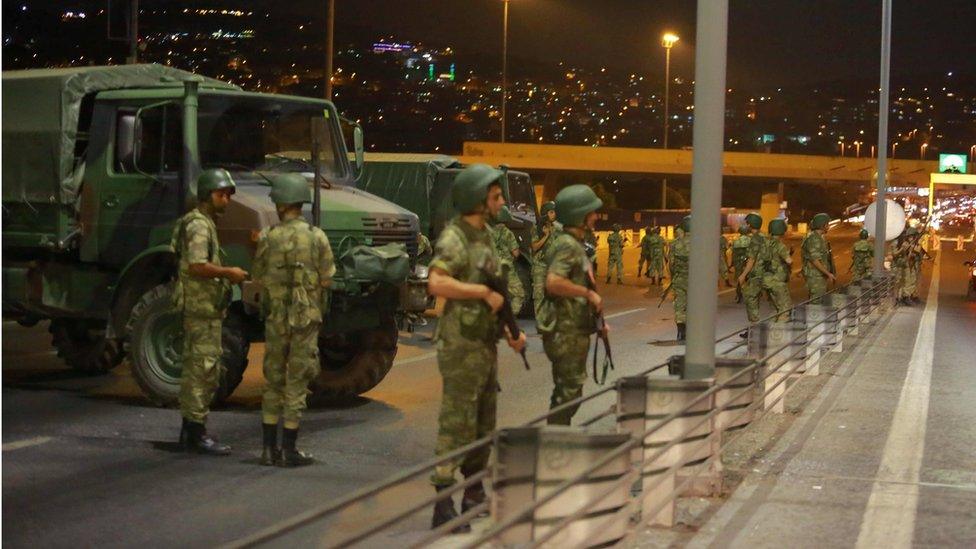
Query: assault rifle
601	334
499	284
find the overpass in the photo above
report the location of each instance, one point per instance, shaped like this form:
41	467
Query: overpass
676	161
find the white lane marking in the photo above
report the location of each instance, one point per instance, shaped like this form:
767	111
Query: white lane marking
889	519
728	291
418	358
627	312
26	443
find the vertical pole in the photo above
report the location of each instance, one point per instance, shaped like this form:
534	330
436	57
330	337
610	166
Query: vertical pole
504	68
667	102
133	32
880	204
706	185
329	39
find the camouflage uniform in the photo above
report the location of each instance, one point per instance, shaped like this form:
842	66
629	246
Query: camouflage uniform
645	254
292	260
773	264
815	247
680	253
863	255
753	288
740	253
655	267
723	259
466	335
203	303
505	243
424	249
539	264
589	237
615	257
566	324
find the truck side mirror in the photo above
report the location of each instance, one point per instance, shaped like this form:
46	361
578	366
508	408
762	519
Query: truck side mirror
357	139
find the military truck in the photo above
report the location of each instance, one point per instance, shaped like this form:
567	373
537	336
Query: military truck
422	184
100	162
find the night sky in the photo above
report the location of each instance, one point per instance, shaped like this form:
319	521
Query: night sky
771	42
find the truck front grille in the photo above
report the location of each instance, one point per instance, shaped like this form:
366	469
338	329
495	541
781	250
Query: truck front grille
393	229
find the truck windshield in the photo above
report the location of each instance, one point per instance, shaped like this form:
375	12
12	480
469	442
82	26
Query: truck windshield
521	194
266	134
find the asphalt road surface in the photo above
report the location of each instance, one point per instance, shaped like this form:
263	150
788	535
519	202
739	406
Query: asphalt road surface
88	461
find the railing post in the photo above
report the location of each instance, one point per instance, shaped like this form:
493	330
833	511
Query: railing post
737	396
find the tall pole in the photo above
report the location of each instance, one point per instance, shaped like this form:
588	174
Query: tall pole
133	32
881	208
504	68
706	185
667	122
329	39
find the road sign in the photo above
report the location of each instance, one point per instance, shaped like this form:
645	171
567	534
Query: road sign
953	163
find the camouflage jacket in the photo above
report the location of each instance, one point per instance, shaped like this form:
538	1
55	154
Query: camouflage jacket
756	251
740	251
654	245
773	260
505	243
567	258
863	253
424	250
615	241
680	252
466	254
815	247
293	259
540	254
195	241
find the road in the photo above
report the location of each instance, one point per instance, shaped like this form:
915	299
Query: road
87	459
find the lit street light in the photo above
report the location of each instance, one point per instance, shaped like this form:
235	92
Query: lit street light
972	153
857	145
921	150
841	143
894	146
667	41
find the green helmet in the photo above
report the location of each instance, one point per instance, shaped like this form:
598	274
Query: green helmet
504	215
214	180
547	207
911	231
777	227
471	186
685	224
289	188
819	221
617	227
744	229
864	234
574	203
754	221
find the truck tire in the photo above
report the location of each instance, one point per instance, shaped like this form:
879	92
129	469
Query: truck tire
154	347
82	345
355	364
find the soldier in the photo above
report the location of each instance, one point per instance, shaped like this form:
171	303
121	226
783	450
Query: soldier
467	333
740	254
424	250
724	263
679	256
294	265
775	262
645	252
202	295
591	242
863	255
751	279
655	268
566	318
507	248
544	235
615	255
818	260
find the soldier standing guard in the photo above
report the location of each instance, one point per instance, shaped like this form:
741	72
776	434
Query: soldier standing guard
467	333
818	261
655	268
751	279
740	255
507	248
615	256
775	263
724	263
680	253
544	236
863	255
566	319
645	252
202	295
294	265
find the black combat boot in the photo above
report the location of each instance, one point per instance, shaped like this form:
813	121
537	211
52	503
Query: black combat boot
185	435
474	496
445	512
200	442
290	455
270	452
681	331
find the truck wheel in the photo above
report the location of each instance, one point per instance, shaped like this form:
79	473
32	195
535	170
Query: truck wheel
83	346
354	364
155	342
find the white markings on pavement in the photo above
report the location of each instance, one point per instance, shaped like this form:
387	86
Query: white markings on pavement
418	358
627	312
889	519
26	443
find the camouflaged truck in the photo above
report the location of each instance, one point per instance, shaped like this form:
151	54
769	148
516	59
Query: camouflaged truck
100	162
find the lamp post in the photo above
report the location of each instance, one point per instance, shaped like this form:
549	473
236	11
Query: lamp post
972	153
504	67
921	151
329	38
857	149
667	41
894	146
841	143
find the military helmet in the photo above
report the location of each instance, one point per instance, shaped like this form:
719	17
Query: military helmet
214	180
617	227
290	188
547	207
504	215
754	220
863	235
911	231
819	221
685	224
471	186
777	227
744	229
574	203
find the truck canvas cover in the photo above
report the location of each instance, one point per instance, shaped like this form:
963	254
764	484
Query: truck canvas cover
41	110
417	182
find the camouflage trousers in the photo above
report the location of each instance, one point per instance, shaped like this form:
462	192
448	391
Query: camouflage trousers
906	282
779	294
816	285
655	266
861	271
640	264
680	288
468	404
567	352
291	361
751	292
516	292
538	285
615	262
202	350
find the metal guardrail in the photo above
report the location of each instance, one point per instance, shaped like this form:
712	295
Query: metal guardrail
762	369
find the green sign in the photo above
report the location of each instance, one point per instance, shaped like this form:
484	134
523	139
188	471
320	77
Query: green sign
953	163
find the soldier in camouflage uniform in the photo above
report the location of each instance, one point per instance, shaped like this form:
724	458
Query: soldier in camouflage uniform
863	256
679	256
507	248
544	236
751	279
294	265
424	250
467	333
591	243
566	317
775	262
818	260
740	255
655	267
724	263
615	255
202	295
645	252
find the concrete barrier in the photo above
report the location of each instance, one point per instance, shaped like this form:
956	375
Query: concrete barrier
767	337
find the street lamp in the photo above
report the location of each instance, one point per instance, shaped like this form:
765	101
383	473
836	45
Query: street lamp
894	146
857	145
504	67
921	151
667	41
972	153
841	143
